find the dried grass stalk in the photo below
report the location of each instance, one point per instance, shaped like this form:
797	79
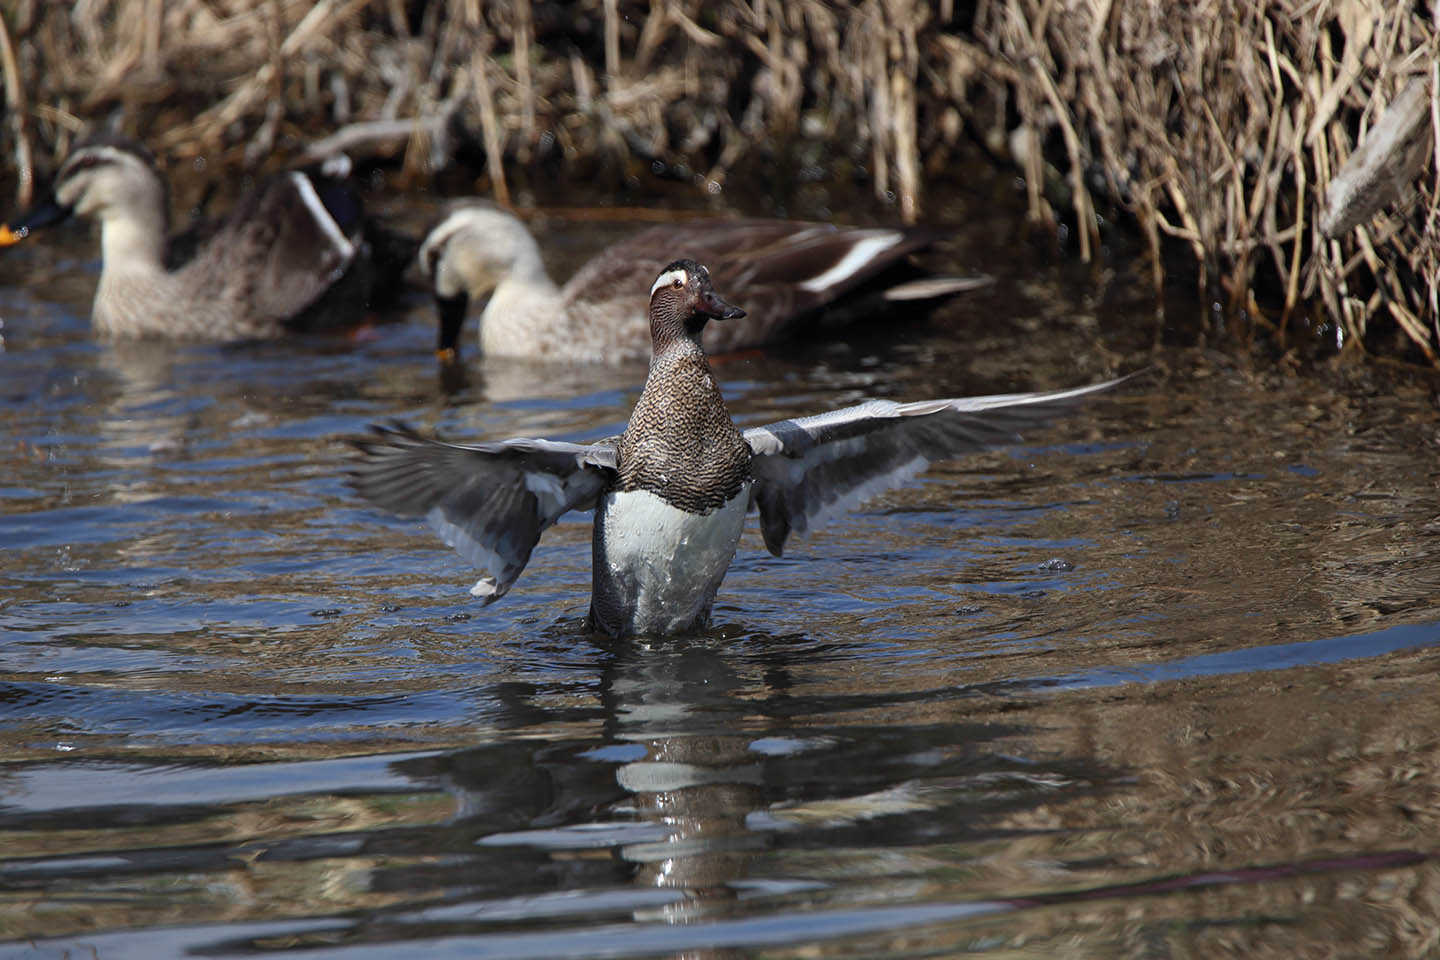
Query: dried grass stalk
1222	123
1231	125
19	117
235	80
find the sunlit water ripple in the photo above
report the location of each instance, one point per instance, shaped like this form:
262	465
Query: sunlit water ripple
1037	702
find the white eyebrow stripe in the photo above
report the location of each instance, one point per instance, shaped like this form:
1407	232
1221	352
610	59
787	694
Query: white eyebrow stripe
668	277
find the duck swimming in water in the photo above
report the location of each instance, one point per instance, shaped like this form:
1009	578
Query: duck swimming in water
291	255
788	273
671	493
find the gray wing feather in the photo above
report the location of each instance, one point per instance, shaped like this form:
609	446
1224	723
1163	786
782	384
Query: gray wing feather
490	501
808	469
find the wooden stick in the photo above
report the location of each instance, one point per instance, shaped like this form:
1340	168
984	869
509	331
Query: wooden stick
370	134
1391	157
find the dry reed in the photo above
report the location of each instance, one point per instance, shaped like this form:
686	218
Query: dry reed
656	82
1230	125
1223	124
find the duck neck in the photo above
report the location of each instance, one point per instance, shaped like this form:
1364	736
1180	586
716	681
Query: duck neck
679	367
136	294
526	314
680	442
669	347
132	239
675	336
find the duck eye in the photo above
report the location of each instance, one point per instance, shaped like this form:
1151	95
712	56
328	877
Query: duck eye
678	283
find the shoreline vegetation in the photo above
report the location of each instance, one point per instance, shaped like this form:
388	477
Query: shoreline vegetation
1282	149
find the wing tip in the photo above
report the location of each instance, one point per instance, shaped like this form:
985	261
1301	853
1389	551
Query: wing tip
395	432
368	454
488	589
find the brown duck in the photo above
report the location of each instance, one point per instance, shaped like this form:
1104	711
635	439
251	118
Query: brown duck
671	493
787	273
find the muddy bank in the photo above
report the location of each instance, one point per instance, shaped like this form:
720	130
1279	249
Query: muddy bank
1222	132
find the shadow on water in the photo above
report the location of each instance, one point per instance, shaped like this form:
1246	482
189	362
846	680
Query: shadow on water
1155	682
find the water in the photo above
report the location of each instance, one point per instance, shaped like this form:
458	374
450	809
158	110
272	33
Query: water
1157	682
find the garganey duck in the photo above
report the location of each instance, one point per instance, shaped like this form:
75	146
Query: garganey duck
670	493
786	272
291	255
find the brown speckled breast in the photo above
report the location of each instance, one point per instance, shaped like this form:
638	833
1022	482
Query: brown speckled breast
680	443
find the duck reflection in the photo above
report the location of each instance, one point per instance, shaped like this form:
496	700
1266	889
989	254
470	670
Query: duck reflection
698	785
688	708
660	804
155	402
145	412
717	787
518	380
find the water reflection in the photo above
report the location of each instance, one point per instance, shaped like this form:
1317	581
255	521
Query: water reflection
660	801
694	715
707	796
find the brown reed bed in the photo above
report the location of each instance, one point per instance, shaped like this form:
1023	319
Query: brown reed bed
1284	142
1228	127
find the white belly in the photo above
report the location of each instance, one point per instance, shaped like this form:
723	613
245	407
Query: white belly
656	567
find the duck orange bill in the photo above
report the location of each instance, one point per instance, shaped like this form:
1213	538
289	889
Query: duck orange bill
10	237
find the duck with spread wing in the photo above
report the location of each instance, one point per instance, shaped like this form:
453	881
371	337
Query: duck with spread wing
671	493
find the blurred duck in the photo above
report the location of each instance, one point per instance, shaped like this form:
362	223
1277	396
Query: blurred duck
788	273
670	494
290	256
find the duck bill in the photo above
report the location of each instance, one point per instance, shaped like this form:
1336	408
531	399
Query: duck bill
42	215
452	321
716	309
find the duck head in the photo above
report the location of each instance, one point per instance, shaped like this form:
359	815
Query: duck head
467	255
682	301
109	178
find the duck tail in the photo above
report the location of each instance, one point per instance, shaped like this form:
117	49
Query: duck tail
933	288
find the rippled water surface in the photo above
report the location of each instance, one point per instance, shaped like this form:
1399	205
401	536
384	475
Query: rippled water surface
1159	681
